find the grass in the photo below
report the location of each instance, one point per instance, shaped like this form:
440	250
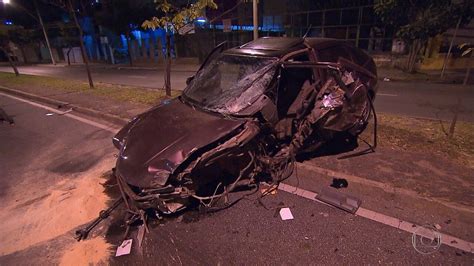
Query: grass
115	92
426	136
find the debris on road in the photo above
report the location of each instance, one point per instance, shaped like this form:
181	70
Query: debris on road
141	235
269	190
60	113
124	248
5	117
61	209
83	233
386	79
285	214
339	183
94	251
339	200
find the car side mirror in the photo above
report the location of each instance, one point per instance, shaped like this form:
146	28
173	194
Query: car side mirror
189	79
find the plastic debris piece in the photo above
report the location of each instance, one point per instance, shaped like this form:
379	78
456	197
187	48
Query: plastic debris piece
340	200
332	100
166	101
339	183
285	214
49	114
437	226
386	79
347	78
272	190
124	248
65	112
140	235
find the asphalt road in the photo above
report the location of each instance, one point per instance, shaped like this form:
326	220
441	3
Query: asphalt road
41	150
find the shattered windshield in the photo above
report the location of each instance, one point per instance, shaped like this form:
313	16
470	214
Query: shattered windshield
230	83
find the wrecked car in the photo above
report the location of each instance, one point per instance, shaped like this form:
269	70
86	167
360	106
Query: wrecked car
244	117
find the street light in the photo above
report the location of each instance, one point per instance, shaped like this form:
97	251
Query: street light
255	19
40	20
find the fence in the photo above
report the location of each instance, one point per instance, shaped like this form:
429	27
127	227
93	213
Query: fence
357	25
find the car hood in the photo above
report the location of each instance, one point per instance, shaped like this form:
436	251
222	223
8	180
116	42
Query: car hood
155	143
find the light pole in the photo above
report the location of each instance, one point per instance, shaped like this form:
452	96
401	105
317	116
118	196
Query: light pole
255	19
40	20
44	32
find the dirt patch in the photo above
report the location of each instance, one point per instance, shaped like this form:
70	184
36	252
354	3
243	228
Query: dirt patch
68	204
93	251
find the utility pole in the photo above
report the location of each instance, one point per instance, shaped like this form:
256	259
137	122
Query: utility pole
255	19
44	32
81	42
450	47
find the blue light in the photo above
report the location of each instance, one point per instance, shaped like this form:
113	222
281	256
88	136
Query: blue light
201	20
8	22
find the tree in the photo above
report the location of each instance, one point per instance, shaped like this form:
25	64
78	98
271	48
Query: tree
123	16
416	21
5	48
22	37
68	38
71	6
17	12
174	17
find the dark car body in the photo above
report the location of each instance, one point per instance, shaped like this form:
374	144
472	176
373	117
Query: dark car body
245	115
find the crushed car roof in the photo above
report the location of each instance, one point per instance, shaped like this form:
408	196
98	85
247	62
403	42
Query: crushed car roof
280	46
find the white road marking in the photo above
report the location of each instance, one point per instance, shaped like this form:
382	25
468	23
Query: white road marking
53	110
387	94
384	219
371	215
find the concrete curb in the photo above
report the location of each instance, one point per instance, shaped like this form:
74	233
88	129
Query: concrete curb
116	120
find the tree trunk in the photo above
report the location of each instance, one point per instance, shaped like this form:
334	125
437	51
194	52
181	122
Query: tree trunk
12	63
22	50
412	56
452	127
81	42
468	71
168	65
68	56
129	48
